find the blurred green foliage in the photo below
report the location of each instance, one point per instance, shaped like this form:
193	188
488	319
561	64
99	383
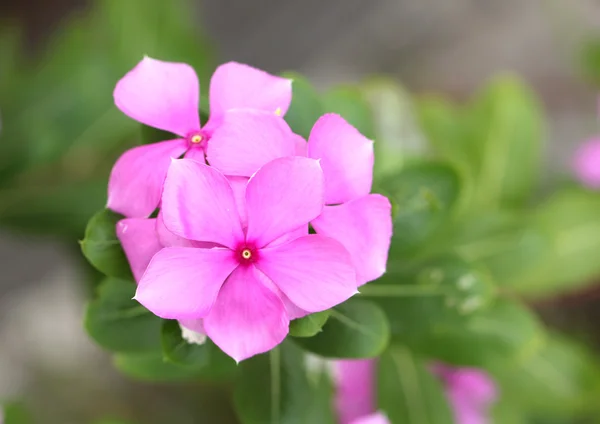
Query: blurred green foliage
60	131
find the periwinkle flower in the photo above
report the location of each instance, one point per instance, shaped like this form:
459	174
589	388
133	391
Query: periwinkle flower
242	279
165	95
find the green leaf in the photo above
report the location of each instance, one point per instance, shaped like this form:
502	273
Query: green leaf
285	395
179	351
425	300
309	325
119	323
423	195
571	260
355	329
507	122
562	379
15	413
408	392
508	244
504	332
306	105
62	209
349	102
102	248
398	137
151	367
215	364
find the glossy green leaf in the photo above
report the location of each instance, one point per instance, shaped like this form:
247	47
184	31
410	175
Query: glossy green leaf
118	323
274	388
309	325
398	137
423	195
102	248
408	392
355	329
350	103
306	105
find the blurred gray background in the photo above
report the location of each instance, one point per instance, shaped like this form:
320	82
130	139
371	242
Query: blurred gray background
448	46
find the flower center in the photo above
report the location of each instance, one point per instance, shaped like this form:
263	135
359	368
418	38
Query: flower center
278	111
197	139
246	254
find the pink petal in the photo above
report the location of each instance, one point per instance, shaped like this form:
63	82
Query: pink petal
364	227
347	158
140	242
314	272
283	196
162	95
198	204
247	317
238	184
167	238
292	235
183	282
235	85
355	389
136	180
586	163
197	154
301	145
248	139
376	418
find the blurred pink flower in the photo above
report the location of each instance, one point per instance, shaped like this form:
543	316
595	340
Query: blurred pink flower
586	163
355	392
471	393
243	283
165	95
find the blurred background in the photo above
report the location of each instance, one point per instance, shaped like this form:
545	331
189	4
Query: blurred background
60	133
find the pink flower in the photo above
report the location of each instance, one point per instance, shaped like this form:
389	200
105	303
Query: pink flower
243	283
355	389
586	163
165	95
360	221
471	393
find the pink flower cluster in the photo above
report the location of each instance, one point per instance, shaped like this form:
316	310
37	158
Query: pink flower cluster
229	253
469	391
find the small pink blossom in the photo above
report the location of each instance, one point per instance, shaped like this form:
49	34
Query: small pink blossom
244	281
244	101
586	163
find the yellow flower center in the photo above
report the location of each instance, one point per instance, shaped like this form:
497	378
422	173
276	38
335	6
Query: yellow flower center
196	139
278	111
246	253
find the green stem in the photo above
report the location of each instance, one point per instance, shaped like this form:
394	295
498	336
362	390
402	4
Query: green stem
275	363
397	290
